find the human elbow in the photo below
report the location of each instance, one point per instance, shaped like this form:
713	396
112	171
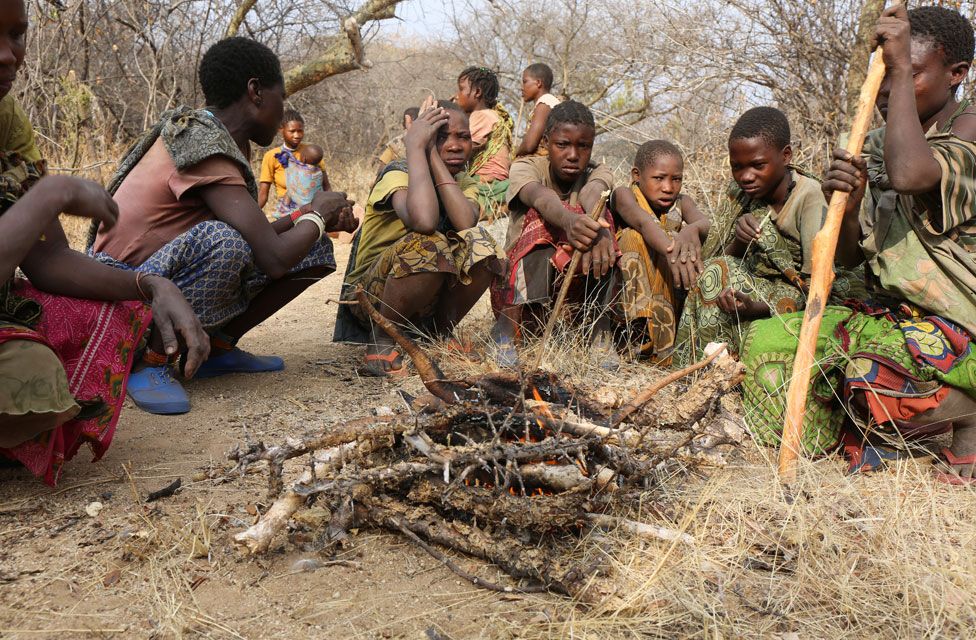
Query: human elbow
425	227
912	181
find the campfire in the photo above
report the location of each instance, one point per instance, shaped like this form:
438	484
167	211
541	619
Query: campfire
512	468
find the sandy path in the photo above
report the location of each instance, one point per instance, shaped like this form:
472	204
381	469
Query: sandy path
129	572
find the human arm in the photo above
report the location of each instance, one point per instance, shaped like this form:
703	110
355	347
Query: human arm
909	162
266	178
52	266
693	218
274	253
683	272
535	131
429	181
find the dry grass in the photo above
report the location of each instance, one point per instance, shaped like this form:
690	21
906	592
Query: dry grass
892	553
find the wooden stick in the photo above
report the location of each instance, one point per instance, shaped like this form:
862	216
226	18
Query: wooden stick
567	282
427	368
642	398
516	138
822	278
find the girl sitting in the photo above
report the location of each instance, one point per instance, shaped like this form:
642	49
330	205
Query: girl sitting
420	253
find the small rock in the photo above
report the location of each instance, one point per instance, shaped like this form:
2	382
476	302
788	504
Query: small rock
94	508
306	564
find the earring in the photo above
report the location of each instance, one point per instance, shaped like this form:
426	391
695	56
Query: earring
259	102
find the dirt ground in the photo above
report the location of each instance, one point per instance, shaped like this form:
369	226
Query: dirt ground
168	568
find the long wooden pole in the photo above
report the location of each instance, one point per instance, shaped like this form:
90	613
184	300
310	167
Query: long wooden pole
567	281
516	138
822	278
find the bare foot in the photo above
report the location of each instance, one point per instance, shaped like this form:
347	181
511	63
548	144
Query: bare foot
964	448
382	357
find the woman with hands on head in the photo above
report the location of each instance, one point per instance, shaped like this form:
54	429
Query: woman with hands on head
420	255
69	332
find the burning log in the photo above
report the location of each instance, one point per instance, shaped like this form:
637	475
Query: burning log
510	468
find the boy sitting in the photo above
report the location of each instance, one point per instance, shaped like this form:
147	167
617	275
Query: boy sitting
536	87
420	253
491	135
660	236
303	179
775	211
548	199
904	363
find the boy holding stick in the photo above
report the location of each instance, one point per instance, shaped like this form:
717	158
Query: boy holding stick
901	363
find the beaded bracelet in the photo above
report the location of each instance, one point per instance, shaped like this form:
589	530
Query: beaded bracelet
441	184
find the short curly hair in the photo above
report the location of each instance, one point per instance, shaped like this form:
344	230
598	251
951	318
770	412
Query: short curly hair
569	112
767	123
541	72
947	29
484	79
227	66
649	152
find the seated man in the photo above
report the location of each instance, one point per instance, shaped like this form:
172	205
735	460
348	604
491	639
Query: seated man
188	212
901	363
420	256
549	198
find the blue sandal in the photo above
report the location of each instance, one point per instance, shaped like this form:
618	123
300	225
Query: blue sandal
237	361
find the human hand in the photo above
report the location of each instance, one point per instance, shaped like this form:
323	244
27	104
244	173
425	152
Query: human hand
81	198
178	325
335	209
423	132
429	103
684	258
747	229
737	303
600	258
894	34
582	231
846	173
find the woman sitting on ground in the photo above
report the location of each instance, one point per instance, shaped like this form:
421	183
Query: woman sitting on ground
188	211
420	253
65	347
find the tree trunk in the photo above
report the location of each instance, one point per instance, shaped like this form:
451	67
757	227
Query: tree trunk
861	52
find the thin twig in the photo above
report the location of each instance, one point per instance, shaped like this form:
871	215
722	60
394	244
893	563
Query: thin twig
447	562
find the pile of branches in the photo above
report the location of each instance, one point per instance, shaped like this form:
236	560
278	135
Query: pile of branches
512	468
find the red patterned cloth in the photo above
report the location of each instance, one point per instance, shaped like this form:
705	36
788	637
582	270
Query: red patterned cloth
536	233
96	342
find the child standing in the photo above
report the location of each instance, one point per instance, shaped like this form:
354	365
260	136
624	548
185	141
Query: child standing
536	87
547	198
903	365
491	135
660	237
303	179
420	253
272	172
772	212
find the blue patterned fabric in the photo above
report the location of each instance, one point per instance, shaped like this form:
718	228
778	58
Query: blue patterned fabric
213	266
